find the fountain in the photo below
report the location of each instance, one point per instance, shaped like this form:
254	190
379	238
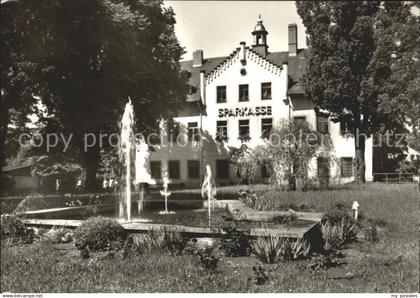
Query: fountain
127	154
166	194
208	189
142	171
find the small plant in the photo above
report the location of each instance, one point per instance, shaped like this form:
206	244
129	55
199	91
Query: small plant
338	228
334	216
175	242
128	246
191	247
32	202
288	218
99	233
371	233
268	249
84	253
235	243
301	249
160	240
13	230
272	249
207	259
58	235
259	277
152	241
340	206
323	262
341	233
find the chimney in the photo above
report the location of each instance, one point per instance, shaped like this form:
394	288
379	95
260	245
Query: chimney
292	39
198	58
202	87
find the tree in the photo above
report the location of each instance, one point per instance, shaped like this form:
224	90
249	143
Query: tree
17	87
395	66
345	74
90	56
289	150
246	164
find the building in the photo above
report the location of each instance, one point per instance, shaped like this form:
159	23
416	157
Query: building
17	176
242	95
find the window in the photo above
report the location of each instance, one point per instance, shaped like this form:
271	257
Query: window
221	94
222	131
266	126
322	124
243	92
299	119
345	127
156	169
346	167
173	169
222	169
154	137
193	169
244	129
265	91
173	131
192	89
264	171
193	131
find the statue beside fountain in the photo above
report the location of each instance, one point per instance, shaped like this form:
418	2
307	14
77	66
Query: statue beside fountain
165	193
209	191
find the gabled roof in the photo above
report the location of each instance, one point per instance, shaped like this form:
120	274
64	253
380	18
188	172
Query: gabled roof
194	72
296	68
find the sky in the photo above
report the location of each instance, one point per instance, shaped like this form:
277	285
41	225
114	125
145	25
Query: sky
217	27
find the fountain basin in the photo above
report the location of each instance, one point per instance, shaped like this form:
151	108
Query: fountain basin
192	222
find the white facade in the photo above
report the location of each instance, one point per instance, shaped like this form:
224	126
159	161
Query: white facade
245	66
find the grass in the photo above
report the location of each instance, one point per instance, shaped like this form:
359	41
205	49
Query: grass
389	265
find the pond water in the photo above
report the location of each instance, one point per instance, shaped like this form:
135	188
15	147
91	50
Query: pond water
192	214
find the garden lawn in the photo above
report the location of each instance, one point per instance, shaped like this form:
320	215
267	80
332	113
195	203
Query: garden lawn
389	265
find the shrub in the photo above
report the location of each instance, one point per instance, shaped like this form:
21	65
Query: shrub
12	229
272	249
235	243
160	240
99	233
32	202
7	206
337	232
207	259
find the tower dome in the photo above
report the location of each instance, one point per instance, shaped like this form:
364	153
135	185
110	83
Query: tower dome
260	38
259	26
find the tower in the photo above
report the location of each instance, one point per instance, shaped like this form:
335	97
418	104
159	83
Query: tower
260	38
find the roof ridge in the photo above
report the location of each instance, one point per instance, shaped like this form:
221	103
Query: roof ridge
266	59
217	57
